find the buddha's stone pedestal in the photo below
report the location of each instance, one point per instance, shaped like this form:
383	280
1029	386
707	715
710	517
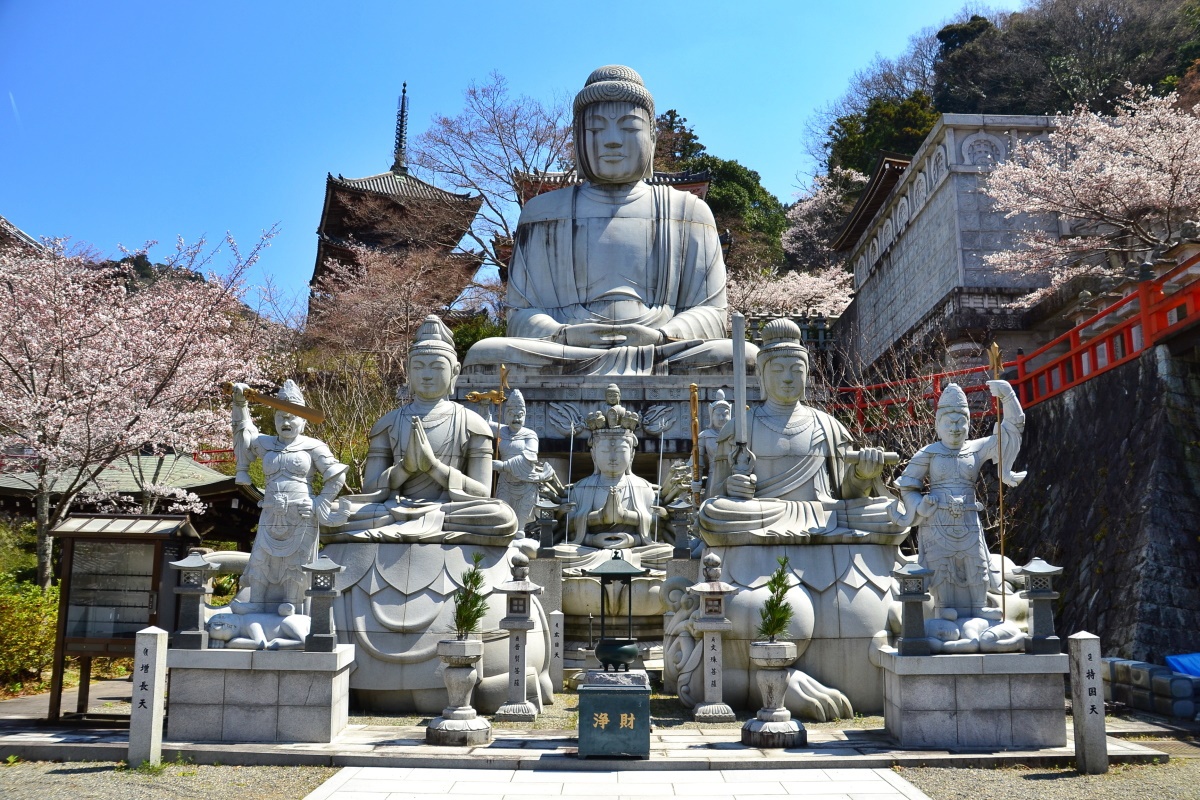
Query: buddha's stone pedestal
614	714
258	695
639	393
997	700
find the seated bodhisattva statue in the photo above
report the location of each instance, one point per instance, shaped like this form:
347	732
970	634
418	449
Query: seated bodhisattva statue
614	276
429	463
805	484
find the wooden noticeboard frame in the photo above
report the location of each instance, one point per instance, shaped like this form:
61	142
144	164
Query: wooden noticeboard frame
101	607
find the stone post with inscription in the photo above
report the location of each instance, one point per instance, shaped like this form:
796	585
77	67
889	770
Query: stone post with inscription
149	694
518	621
556	649
1087	703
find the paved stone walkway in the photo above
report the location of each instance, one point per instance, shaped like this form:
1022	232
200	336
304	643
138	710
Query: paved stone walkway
392	783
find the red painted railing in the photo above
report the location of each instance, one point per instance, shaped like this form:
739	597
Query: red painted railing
1156	310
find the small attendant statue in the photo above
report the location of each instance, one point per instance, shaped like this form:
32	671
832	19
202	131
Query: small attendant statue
287	527
518	470
938	493
718	415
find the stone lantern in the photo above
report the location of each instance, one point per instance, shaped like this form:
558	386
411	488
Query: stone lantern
680	515
911	579
1039	591
321	638
712	622
613	652
547	520
518	621
195	584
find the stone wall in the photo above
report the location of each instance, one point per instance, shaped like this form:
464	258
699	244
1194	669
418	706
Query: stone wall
930	237
1113	496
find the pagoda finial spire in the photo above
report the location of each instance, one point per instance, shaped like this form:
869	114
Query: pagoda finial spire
400	164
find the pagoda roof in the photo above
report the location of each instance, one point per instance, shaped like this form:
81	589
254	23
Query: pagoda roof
11	234
887	174
399	186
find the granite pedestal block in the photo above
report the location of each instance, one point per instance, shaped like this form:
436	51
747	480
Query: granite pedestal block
258	696
1000	700
614	714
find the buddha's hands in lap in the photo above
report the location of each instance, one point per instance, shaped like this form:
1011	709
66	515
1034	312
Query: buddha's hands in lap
594	334
741	487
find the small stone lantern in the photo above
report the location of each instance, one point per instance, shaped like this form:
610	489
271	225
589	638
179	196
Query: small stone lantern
680	515
1039	591
712	622
518	621
547	521
911	579
322	638
616	653
195	584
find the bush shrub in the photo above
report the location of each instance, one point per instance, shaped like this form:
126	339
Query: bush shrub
27	627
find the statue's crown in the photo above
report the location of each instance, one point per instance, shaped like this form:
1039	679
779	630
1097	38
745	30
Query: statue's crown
434	337
953	399
781	337
290	391
626	421
720	402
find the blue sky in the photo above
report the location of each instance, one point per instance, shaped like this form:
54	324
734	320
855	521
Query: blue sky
123	122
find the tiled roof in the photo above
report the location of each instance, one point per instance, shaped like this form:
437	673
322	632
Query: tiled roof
887	173
173	470
11	232
399	185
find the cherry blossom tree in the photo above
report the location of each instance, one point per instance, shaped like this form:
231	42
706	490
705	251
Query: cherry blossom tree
97	364
816	217
825	291
1124	183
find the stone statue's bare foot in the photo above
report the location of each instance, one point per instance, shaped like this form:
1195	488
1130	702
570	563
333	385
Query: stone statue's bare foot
808	698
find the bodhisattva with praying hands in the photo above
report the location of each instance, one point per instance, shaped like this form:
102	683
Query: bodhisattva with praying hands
793	478
614	276
429	464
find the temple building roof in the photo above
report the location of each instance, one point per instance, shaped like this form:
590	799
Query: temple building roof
887	173
530	184
12	235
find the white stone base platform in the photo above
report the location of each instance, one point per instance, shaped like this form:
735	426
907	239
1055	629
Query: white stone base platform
257	695
995	700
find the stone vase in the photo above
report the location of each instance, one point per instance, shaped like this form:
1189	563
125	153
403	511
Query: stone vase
459	723
773	726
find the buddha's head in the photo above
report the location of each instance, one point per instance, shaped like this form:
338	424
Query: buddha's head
953	417
287	425
782	362
514	411
612	395
432	362
614	127
612	451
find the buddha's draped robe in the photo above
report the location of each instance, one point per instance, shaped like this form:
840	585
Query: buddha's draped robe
650	257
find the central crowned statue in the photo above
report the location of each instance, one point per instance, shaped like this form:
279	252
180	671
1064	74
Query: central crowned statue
614	276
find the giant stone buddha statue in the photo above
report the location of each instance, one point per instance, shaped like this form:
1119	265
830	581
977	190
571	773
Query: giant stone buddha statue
614	276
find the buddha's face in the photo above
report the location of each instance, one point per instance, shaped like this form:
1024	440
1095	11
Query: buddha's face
288	426
718	417
613	455
952	429
612	396
430	376
784	378
618	142
516	419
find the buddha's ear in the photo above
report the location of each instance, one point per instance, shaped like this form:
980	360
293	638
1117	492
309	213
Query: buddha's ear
455	370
